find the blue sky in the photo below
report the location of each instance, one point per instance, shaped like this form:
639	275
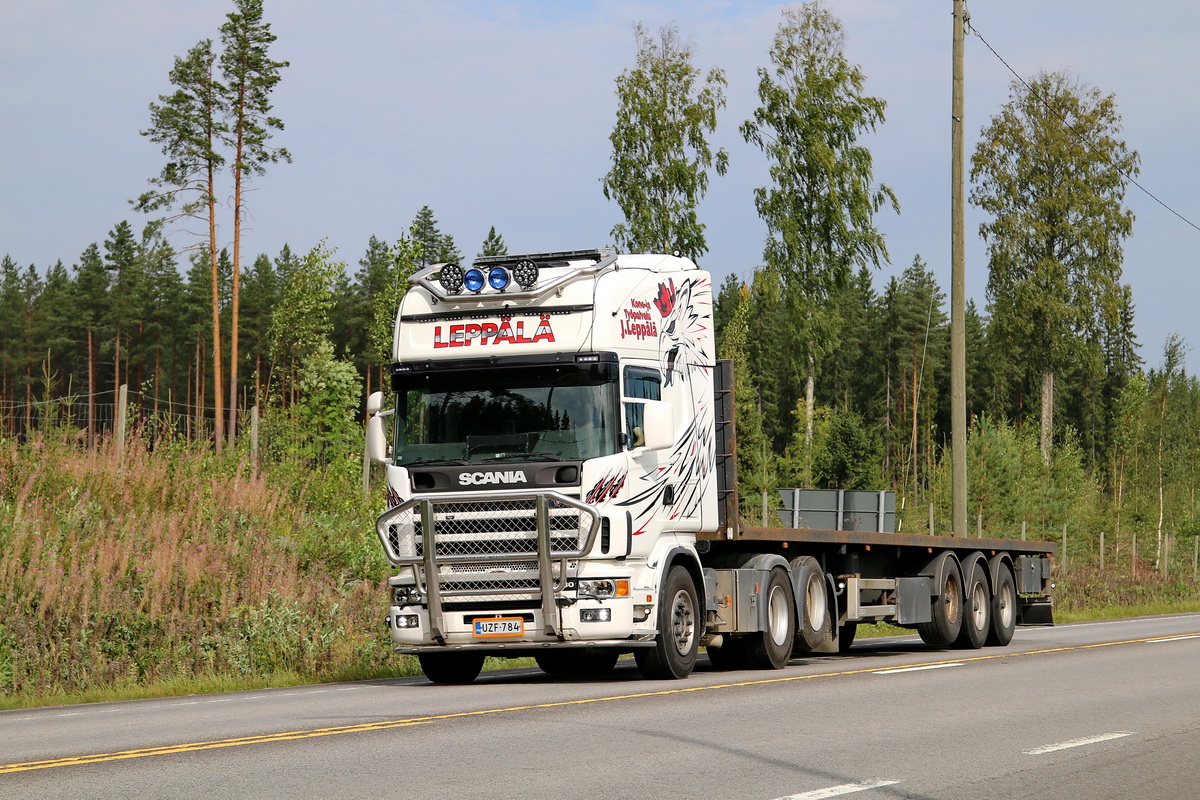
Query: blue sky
498	113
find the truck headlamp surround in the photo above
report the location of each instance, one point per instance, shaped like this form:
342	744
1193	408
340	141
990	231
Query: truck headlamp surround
474	279
498	278
451	278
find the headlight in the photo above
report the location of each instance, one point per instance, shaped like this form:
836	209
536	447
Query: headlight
498	278
473	280
406	595
603	588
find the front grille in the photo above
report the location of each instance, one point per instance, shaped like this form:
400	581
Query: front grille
492	528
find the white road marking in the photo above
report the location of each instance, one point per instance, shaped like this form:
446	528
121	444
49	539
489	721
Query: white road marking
1050	748
916	669
838	791
1176	638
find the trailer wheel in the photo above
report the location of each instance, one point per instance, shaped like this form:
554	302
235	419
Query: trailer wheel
591	661
772	648
846	636
678	641
451	668
977	608
947	611
1004	608
816	617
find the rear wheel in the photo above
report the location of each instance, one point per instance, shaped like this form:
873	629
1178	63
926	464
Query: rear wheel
1004	608
846	636
977	608
816	624
947	610
674	651
451	668
591	661
771	649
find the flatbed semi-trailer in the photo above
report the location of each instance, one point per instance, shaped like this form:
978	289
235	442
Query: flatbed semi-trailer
562	484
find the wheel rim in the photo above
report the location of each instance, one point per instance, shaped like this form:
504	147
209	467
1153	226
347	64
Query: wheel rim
953	598
683	622
814	603
1006	608
778	615
979	610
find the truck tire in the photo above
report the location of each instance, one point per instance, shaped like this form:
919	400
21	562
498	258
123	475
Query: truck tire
947	607
772	648
451	668
1004	608
592	661
815	626
727	656
846	636
674	653
977	611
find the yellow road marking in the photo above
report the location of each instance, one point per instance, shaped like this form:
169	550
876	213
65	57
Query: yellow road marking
188	747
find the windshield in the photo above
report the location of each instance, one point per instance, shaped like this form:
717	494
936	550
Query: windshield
540	413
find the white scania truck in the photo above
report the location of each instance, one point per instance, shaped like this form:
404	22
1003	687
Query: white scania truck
561	484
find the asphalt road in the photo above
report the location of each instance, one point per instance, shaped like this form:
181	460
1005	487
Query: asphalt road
1097	710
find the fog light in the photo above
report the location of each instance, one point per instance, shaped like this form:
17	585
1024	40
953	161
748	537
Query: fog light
595	615
498	278
451	278
473	280
408	621
526	274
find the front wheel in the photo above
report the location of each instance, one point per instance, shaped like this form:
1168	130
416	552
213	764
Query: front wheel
674	653
451	668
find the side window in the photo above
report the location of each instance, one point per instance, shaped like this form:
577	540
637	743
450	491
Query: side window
641	383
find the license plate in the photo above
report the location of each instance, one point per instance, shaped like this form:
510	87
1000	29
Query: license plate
500	626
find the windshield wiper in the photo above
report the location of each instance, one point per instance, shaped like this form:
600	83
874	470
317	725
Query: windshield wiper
524	457
457	462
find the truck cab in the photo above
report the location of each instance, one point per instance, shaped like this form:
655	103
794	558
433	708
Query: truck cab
550	461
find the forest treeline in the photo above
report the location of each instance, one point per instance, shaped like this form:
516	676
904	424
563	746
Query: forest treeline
842	382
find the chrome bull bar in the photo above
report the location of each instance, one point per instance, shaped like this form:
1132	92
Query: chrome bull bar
437	530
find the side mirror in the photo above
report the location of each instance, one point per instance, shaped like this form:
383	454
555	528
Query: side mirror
658	425
374	403
376	436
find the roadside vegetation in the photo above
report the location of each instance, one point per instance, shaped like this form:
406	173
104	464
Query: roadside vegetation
175	570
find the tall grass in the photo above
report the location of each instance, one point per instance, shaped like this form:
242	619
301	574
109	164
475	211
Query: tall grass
180	565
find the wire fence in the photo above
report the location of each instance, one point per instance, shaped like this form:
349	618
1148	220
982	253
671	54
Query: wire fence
119	414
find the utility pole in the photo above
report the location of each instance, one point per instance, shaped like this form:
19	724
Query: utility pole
958	304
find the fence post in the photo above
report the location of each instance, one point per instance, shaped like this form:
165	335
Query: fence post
1102	551
254	436
1064	548
122	408
1135	556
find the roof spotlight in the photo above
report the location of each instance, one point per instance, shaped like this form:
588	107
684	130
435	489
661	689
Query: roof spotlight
451	278
473	280
525	273
498	278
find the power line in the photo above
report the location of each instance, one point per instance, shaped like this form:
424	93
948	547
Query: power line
1079	138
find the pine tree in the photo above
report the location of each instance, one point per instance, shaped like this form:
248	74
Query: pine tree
493	244
250	76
